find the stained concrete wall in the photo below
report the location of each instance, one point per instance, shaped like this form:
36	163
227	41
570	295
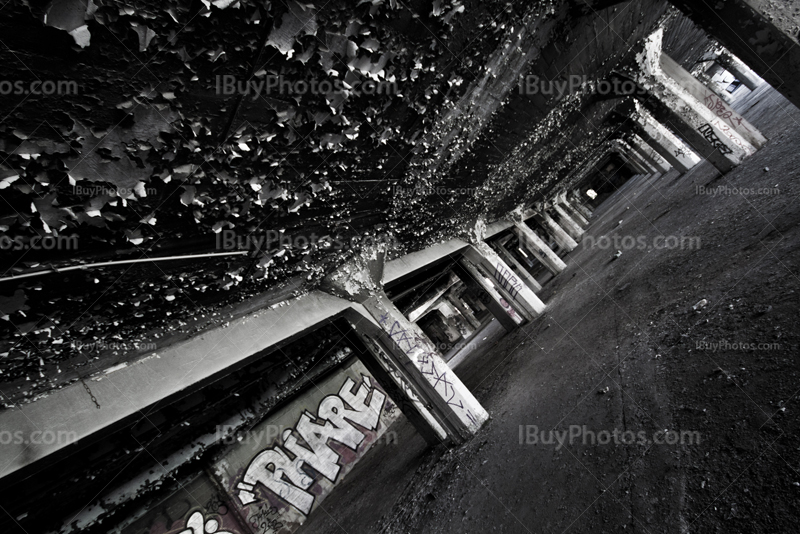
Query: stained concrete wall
272	477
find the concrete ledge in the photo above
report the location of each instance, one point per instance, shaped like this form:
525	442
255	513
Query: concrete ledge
130	387
405	265
124	390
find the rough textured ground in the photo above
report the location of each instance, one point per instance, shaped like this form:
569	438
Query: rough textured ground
620	347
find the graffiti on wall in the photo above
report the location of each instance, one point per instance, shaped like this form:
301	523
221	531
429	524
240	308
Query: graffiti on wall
196	508
507	280
708	133
426	360
335	420
197	524
729	133
265	519
723	111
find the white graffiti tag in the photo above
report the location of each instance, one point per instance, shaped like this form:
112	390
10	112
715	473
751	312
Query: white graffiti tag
196	525
336	418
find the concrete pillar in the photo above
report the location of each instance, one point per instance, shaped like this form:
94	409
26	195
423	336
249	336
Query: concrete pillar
714	69
736	66
576	215
718	86
519	269
578	203
707	133
652	157
723	111
403	351
627	151
502	310
507	282
454	316
539	248
663	141
561	237
463	309
757	33
636	165
565	220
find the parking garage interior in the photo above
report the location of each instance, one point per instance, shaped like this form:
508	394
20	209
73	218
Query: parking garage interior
387	266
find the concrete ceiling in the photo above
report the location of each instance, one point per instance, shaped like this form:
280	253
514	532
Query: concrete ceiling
458	141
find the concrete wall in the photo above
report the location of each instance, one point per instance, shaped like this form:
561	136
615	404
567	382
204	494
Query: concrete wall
272	477
195	509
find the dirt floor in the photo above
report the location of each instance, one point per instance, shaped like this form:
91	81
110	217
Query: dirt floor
621	348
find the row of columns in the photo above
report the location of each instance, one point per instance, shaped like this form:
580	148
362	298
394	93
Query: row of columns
405	360
695	110
401	353
704	120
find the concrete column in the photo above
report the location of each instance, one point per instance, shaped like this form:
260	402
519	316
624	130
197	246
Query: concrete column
519	269
636	165
507	282
574	213
718	86
723	111
736	66
663	141
706	132
463	309
572	228
577	203
502	310
384	367
627	150
652	157
561	237
539	248
403	351
714	69
453	314
757	33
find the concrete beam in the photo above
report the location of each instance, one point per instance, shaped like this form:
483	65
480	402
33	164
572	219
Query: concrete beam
534	244
720	108
708	134
737	67
129	389
760	38
408	264
663	141
558	234
506	281
566	221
